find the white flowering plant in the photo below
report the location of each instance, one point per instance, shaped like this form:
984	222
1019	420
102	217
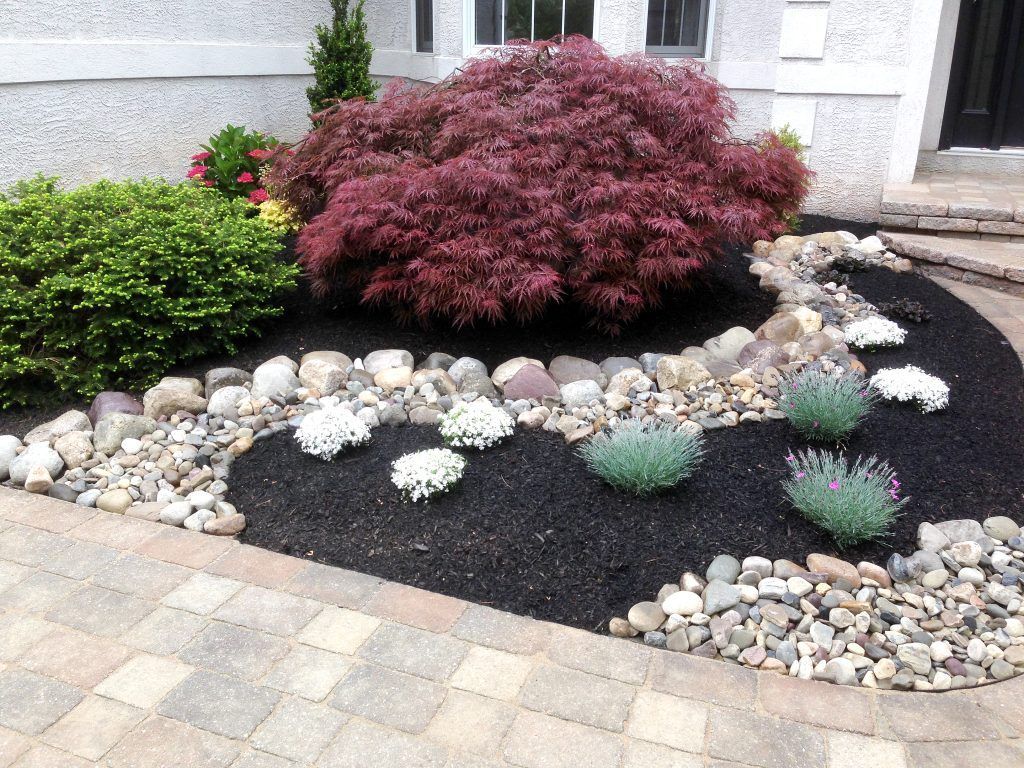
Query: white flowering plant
911	384
874	332
329	431
425	474
477	424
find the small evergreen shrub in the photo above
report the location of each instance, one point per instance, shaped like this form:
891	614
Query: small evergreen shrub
823	406
477	424
788	137
234	163
911	384
643	458
341	58
543	172
425	474
108	285
853	503
329	431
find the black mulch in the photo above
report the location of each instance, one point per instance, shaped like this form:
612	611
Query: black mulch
531	531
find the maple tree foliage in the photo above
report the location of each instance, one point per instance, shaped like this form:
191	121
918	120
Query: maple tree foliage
546	172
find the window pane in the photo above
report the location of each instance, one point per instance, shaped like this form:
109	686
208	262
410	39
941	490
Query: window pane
579	17
676	27
655	22
517	19
547	19
425	26
488	22
689	29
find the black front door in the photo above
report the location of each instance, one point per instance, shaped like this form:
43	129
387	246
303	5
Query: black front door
985	102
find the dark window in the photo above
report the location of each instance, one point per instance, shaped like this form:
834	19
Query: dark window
677	27
424	25
498	21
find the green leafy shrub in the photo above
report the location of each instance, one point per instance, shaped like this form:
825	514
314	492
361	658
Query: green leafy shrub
341	58
234	162
788	137
824	406
108	285
853	503
643	458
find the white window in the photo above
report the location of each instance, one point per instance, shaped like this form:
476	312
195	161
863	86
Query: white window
677	27
423	23
498	21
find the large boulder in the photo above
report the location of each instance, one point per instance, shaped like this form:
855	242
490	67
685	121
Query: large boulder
195	386
115	427
437	360
464	365
510	368
274	380
530	382
9	445
379	359
74	448
70	421
166	401
566	369
680	372
438	377
390	379
322	375
226	400
35	455
113	402
576	394
336	358
475	381
780	328
762	354
612	365
218	378
628	379
810	321
727	346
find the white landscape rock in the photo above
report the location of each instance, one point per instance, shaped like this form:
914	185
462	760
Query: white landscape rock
274	380
37	454
71	421
225	399
9	445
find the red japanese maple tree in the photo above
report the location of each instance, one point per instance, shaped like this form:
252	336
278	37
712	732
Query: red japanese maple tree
547	172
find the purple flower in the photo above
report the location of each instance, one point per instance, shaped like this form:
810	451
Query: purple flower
815	425
801	475
791	458
834	485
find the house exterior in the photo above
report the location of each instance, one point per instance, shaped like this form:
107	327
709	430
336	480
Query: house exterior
878	90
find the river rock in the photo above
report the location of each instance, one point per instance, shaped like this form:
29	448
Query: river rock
9	445
780	328
1001	528
380	359
724	568
274	380
684	603
530	382
727	346
74	448
391	379
566	369
507	370
70	421
115	501
931	539
113	402
580	393
464	365
36	454
612	365
719	596
762	354
225	526
115	427
324	376
328	356
166	401
646	616
226	399
679	372
961	530
38	480
833	568
218	378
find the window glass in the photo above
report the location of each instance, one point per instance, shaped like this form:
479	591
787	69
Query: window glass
498	21
677	27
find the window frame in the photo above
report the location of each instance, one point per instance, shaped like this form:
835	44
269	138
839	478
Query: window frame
701	51
414	27
472	48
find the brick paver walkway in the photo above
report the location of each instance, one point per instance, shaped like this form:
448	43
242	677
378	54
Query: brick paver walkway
130	644
1003	310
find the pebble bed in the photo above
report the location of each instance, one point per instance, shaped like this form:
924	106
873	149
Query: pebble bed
168	458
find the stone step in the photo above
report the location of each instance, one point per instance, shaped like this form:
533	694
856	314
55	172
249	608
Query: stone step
996	265
984	207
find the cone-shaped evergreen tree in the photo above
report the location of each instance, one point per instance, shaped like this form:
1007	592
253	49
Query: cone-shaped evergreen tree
341	58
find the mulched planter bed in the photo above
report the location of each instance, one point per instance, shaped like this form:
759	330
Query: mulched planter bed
531	531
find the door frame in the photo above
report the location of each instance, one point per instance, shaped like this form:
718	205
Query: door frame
1003	80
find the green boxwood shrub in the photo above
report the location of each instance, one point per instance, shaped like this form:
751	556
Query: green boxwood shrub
107	285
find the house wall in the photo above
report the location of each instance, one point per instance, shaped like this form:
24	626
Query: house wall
119	88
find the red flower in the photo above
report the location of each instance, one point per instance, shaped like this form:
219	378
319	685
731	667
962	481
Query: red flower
201	156
260	154
245	178
258	196
196	170
209	182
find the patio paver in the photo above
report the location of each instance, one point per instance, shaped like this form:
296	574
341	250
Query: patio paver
246	659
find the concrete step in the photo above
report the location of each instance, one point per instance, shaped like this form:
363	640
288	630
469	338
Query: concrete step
983	207
995	265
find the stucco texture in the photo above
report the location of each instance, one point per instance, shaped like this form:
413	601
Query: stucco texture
82	131
875	35
747	30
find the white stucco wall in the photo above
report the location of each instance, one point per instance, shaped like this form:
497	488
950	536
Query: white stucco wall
120	88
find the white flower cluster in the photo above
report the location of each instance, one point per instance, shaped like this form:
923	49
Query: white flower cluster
424	474
476	424
327	432
911	383
874	332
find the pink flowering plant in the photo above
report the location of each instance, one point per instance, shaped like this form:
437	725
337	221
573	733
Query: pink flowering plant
825	407
235	161
854	503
